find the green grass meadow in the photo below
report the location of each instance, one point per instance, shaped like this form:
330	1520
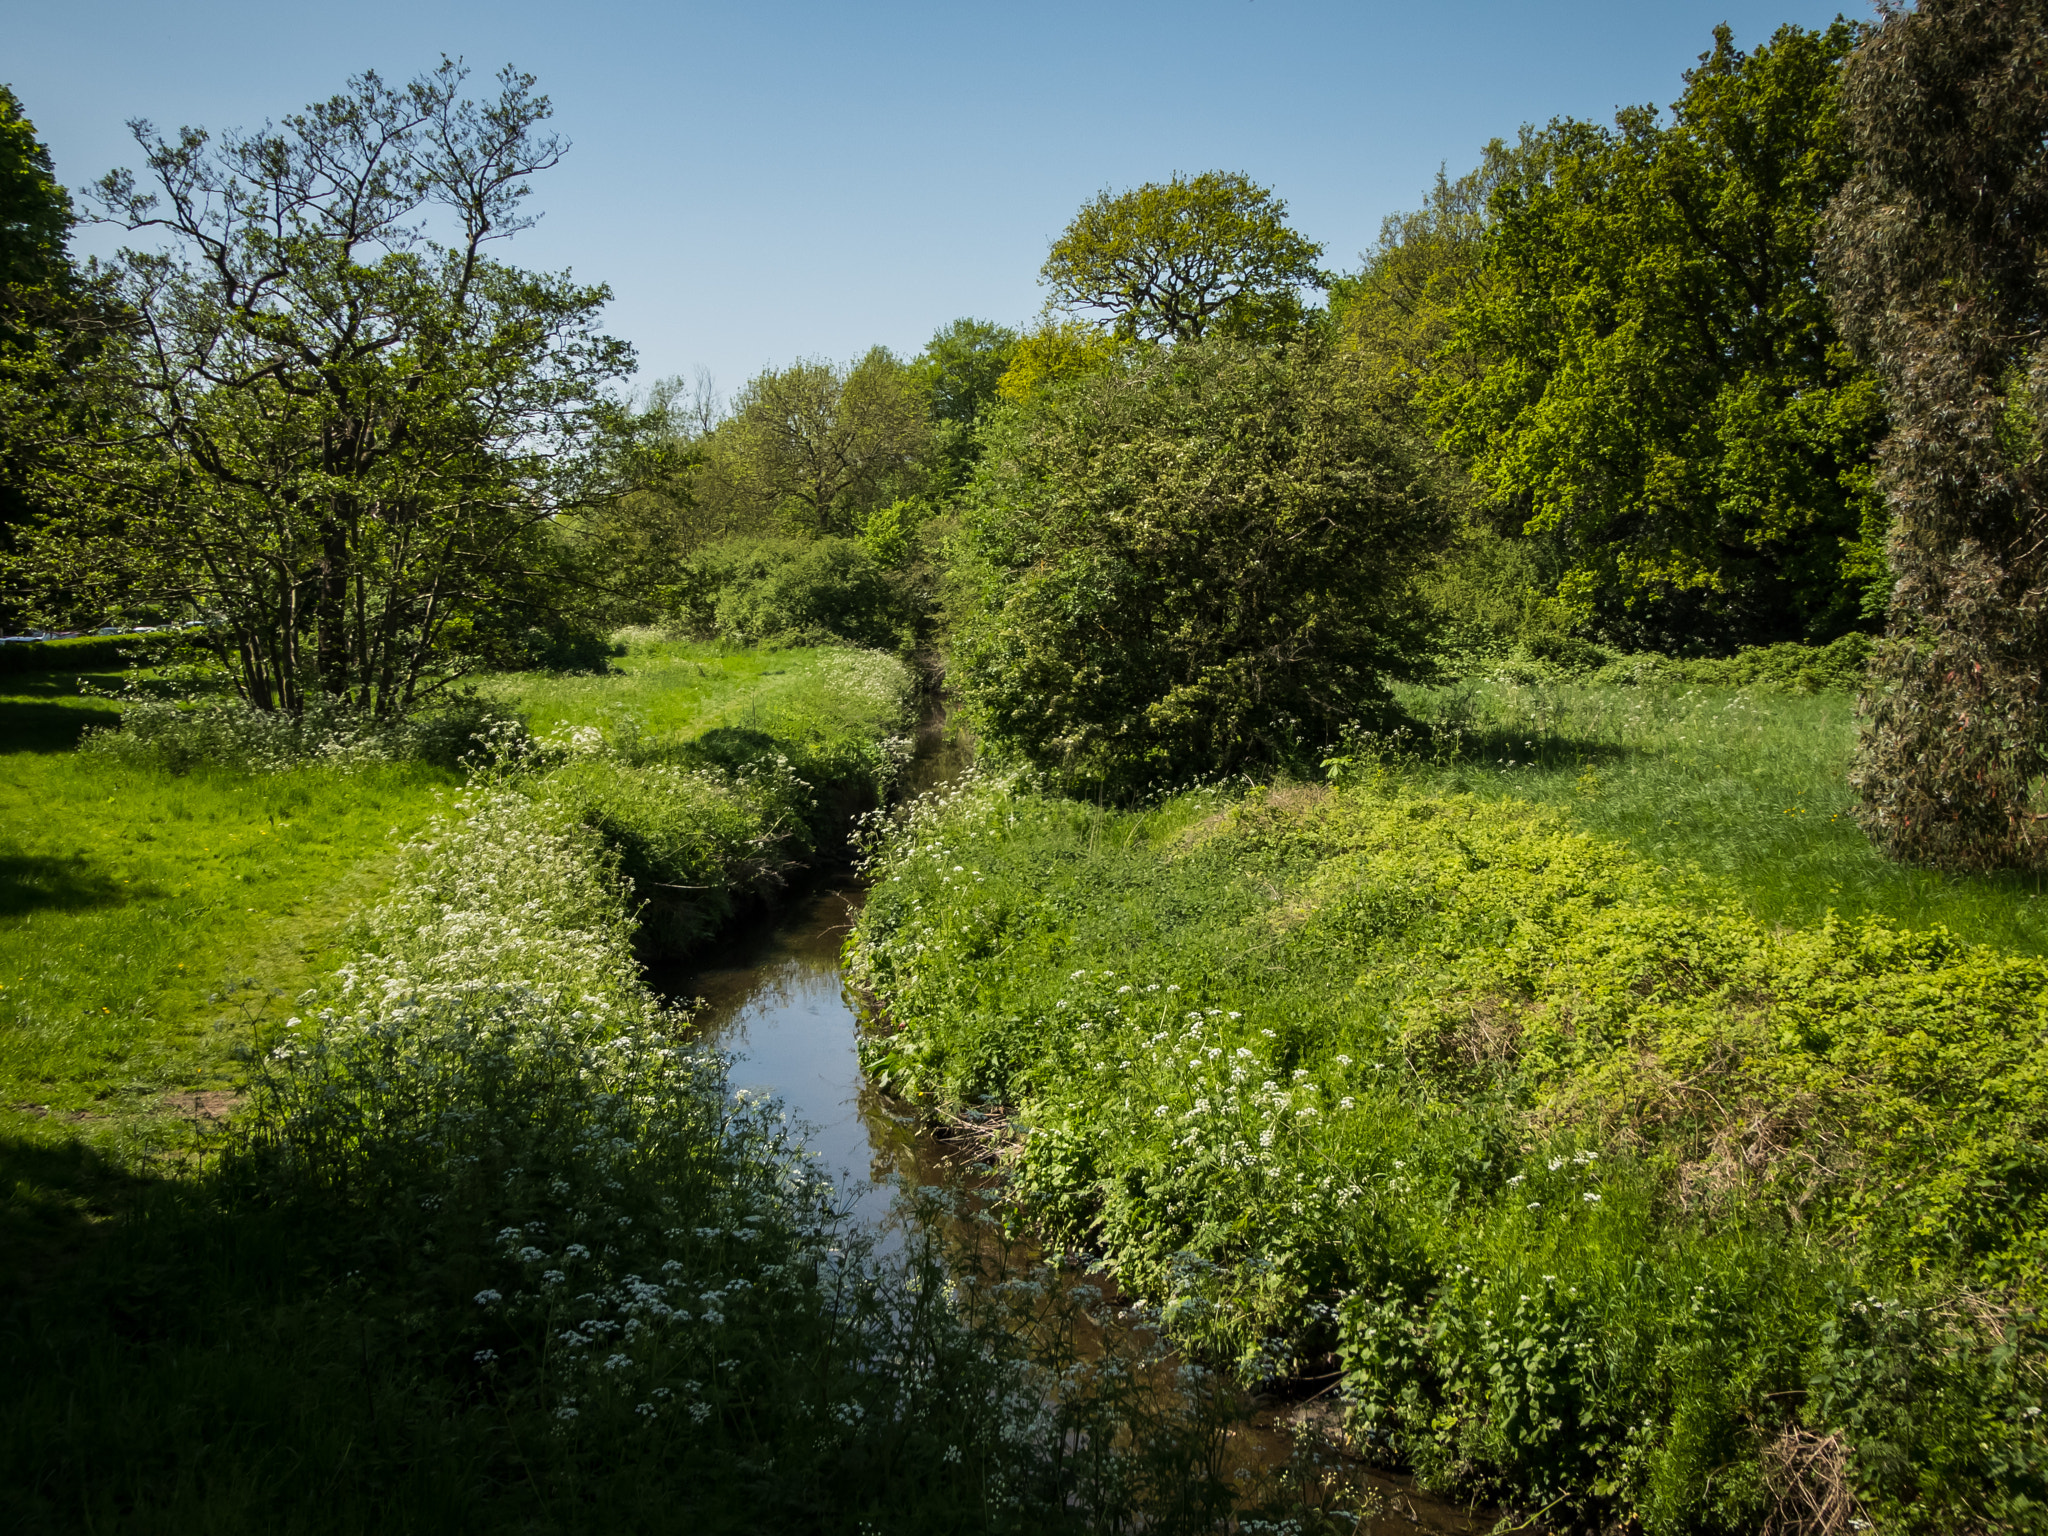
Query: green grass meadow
1746	789
663	689
147	919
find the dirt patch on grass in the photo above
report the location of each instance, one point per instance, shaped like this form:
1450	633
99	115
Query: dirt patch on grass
208	1106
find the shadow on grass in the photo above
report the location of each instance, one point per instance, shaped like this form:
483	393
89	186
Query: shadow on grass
41	883
54	1194
41	724
728	746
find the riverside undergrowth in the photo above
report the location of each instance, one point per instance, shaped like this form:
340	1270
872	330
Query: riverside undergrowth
491	1247
1605	1199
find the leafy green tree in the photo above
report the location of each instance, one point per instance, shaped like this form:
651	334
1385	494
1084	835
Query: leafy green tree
1400	310
1170	261
35	211
959	371
1055	350
1201	562
1646	367
335	435
814	447
42	303
1934	256
961	366
1495	585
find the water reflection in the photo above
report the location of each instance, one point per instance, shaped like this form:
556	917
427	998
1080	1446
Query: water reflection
779	1008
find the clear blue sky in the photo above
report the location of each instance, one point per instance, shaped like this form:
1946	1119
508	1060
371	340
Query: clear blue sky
758	182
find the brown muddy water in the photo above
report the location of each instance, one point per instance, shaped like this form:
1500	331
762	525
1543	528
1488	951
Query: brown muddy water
777	1004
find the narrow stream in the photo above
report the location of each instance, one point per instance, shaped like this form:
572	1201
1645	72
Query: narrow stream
777	1004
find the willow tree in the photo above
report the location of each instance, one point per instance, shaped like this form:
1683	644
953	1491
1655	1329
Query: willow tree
334	427
1934	258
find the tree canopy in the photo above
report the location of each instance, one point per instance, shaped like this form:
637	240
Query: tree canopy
812	448
35	210
961	372
1643	363
337	427
1172	260
49	317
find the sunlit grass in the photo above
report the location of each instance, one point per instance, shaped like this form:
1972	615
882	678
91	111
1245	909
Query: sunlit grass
146	919
149	920
1749	788
682	688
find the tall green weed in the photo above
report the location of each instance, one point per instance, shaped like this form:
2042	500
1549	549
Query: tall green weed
1595	1188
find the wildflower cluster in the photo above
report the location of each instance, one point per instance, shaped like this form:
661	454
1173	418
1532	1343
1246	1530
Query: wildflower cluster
589	1238
178	734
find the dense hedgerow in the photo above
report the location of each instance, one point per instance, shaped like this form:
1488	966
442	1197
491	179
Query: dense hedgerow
1604	1196
492	1248
1791	667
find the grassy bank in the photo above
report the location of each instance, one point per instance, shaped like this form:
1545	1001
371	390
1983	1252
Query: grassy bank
1511	1086
1747	787
490	1248
154	913
484	1243
148	917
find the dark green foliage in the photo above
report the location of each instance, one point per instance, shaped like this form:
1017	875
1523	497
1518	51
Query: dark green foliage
959	370
35	210
1565	652
38	297
1791	667
1644	366
1197	562
1934	259
795	591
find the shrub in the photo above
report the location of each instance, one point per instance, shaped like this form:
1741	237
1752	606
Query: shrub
796	591
178	735
1791	667
1565	652
1196	562
695	843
